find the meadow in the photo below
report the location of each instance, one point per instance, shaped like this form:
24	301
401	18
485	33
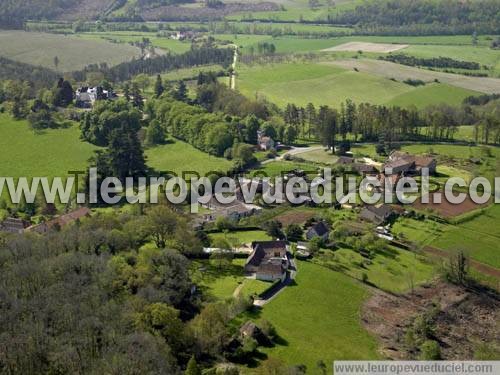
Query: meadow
178	157
314	316
326	83
50	153
239	238
73	53
391	269
126	37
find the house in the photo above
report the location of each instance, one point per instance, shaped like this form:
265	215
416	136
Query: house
13	225
364	169
87	96
377	214
345	160
268	260
264	142
405	163
320	229
60	221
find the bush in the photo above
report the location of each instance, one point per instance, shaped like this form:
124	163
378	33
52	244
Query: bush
430	350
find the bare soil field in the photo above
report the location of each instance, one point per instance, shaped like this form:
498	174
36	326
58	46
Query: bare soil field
367	47
400	72
446	209
295	217
466	319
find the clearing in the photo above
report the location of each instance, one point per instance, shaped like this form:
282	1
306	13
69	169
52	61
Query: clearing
73	53
366	47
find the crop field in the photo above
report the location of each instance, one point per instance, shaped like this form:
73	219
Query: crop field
179	157
327	83
48	154
73	53
314	317
367	47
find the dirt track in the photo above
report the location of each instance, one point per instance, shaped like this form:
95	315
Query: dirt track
401	72
367	47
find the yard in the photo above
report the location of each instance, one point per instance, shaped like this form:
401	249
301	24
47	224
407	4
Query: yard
314	317
238	238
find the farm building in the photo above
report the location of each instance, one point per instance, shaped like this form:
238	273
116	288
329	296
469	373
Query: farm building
377	214
61	221
87	96
320	229
404	163
13	225
268	260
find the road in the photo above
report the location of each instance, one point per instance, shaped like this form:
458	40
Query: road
232	82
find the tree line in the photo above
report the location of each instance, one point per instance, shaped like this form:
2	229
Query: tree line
435	62
422	17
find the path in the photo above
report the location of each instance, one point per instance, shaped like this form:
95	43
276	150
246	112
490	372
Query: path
478	266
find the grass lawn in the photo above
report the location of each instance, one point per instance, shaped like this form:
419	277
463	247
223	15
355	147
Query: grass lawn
319	319
417	231
221	283
318	156
179	157
238	238
392	270
279	168
48	154
73	53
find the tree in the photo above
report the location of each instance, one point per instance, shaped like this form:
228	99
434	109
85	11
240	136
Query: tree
180	92
294	232
273	229
458	267
159	89
161	224
223	256
290	135
137	99
56	62
192	367
251	126
209	329
155	134
63	94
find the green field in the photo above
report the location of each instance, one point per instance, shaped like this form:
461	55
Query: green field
478	237
73	53
392	270
321	84
278	168
48	154
315	316
125	37
238	238
179	157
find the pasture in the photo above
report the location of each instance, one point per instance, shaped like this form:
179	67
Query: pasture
50	153
314	317
73	53
179	157
239	238
331	83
